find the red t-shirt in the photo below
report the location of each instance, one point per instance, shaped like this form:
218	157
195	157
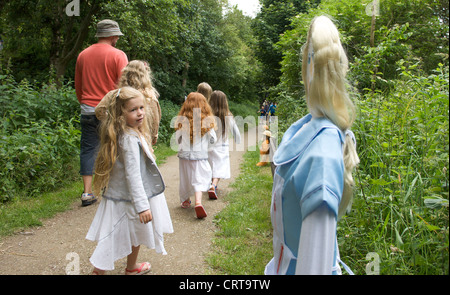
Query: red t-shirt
97	72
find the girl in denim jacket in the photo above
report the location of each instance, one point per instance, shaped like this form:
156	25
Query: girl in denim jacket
313	181
133	210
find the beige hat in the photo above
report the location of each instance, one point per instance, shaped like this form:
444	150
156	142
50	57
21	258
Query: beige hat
108	28
267	133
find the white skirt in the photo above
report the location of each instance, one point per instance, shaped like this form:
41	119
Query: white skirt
195	176
116	228
219	159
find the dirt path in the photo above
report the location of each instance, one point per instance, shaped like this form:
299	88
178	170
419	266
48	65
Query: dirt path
60	243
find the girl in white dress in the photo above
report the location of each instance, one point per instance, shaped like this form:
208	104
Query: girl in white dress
219	153
133	210
194	133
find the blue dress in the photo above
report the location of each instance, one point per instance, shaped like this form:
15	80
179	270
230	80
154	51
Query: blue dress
309	174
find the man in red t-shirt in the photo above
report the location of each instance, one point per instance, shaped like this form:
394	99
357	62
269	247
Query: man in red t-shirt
97	72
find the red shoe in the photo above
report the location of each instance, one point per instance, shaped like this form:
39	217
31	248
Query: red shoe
212	193
200	211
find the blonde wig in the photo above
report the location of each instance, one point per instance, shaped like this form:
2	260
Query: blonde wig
219	106
324	68
112	126
195	101
205	89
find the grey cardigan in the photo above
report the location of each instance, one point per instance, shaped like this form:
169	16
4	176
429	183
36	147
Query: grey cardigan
198	150
135	177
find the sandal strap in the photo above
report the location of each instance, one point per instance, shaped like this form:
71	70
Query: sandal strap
138	270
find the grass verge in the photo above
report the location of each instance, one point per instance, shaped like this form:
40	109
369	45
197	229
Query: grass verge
243	243
24	212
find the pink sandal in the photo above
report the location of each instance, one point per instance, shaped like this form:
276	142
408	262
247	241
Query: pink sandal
140	270
186	204
200	211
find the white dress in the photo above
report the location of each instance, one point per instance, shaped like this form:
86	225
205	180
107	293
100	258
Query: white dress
219	153
194	168
116	227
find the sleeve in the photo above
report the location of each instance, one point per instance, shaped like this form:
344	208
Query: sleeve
122	61
235	132
317	243
324	181
131	156
212	136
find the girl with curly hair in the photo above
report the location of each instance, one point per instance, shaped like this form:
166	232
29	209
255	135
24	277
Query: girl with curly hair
194	127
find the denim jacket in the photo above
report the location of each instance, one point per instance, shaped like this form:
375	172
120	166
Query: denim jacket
310	172
135	177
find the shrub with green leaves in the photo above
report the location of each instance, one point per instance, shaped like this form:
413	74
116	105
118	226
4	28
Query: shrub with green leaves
39	137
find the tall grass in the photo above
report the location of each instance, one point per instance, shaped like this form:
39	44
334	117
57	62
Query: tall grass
401	203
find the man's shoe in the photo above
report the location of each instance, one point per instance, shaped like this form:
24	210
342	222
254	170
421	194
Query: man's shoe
87	199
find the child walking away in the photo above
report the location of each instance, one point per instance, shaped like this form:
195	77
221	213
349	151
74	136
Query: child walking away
133	210
194	133
205	89
312	186
137	74
219	153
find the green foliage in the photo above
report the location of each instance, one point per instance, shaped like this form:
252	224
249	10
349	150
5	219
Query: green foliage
39	137
186	42
169	110
401	206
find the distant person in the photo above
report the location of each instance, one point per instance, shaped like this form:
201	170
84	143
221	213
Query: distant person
313	183
219	152
272	110
133	210
262	112
97	72
205	89
194	133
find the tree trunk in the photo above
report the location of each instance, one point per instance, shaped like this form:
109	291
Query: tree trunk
65	46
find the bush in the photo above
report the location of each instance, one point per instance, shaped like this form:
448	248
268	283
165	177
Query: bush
169	110
401	202
39	137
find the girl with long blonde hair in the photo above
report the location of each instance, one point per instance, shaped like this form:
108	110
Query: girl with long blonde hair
133	210
313	180
194	127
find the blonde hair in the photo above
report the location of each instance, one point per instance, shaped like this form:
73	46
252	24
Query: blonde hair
137	74
112	126
205	89
219	106
324	68
193	101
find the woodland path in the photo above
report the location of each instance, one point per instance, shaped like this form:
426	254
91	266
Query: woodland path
47	250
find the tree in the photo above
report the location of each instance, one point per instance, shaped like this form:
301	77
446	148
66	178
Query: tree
273	21
42	32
